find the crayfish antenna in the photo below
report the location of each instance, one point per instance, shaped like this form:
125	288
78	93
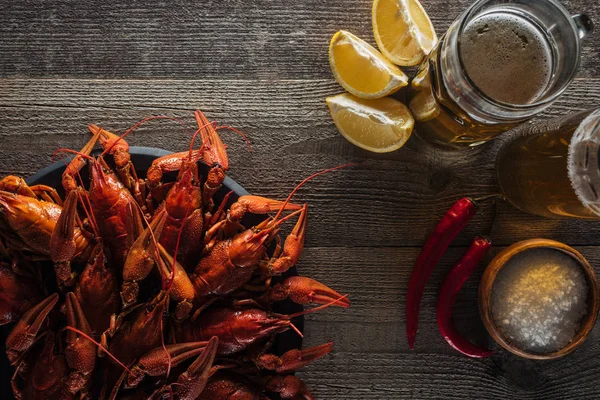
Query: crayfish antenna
295	329
164	347
307	180
138	124
115	391
270	225
242	134
83	153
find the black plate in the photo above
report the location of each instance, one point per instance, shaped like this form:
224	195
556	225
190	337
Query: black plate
142	158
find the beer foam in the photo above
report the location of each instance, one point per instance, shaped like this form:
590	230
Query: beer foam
507	57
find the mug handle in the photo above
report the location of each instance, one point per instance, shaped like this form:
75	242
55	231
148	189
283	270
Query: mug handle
584	24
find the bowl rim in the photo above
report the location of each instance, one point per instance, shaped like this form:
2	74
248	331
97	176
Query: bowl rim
487	283
284	341
133	150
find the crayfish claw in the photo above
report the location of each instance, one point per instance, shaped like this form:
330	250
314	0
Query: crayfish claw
156	362
116	145
62	242
289	387
119	149
192	382
79	352
182	310
140	259
23	335
182	290
296	359
17	185
19	293
213	151
303	290
258	205
69	181
293	359
76	318
292	247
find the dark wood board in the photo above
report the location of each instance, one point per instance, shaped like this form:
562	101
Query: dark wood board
262	66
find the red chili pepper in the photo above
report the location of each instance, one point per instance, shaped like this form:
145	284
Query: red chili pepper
455	219
454	281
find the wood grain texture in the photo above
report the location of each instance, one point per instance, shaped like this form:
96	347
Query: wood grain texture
195	39
262	66
293	136
371	359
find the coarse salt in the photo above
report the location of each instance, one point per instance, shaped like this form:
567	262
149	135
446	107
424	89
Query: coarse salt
539	298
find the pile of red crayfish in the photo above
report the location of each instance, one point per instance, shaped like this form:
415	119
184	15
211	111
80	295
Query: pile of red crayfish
148	288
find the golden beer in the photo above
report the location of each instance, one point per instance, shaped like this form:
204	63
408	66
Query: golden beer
439	119
499	64
551	169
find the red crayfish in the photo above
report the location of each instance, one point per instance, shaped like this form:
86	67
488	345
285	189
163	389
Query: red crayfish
126	283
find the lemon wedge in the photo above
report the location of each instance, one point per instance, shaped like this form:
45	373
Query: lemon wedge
361	69
403	31
423	104
378	125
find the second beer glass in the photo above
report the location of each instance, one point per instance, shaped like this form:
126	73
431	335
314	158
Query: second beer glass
499	64
552	168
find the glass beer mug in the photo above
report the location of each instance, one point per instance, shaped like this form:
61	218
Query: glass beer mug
552	169
500	63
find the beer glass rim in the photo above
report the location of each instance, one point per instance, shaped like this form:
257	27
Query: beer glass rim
468	16
588	130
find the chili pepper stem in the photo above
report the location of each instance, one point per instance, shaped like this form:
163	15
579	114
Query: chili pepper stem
478	200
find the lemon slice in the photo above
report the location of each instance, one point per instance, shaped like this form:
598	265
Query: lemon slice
403	31
423	104
361	69
378	125
422	80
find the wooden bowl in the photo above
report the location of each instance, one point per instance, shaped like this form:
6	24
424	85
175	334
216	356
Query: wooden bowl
487	283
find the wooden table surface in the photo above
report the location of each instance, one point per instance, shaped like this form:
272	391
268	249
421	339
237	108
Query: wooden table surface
262	66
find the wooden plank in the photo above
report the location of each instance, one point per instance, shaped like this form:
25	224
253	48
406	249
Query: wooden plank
196	40
389	200
371	358
384	376
262	66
